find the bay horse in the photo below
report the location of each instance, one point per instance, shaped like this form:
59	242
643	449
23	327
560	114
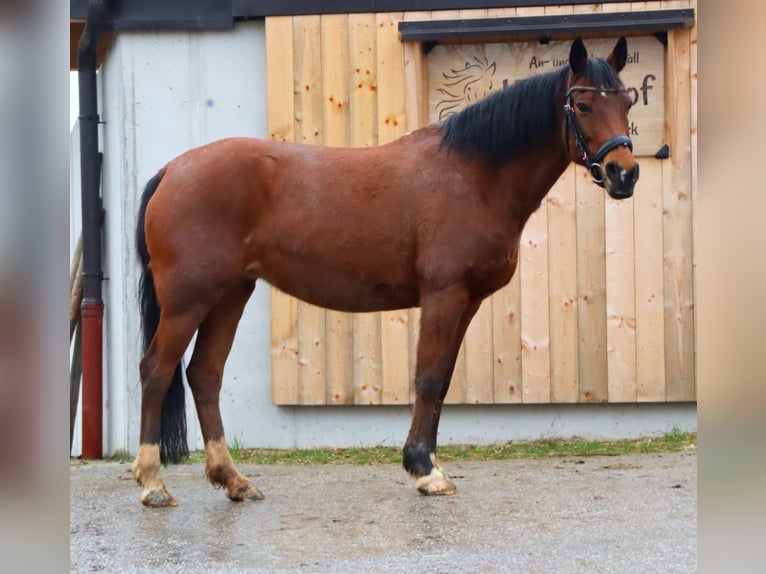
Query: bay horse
432	219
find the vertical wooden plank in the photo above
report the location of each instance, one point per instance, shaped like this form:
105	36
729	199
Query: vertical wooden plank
650	325
456	394
394	338
416	112
307	66
562	254
339	360
367	359
562	259
392	122
480	372
335	79
636	6
506	331
523	11
591	289
693	41
535	322
677	223
613	7
363	126
558	9
445	14
500	12
457	389
472	13
584	8
477	346
363	80
415	79
620	300
284	309
693	158
620	290
506	318
279	73
390	72
591	280
533	276
307	61
479	332
413	335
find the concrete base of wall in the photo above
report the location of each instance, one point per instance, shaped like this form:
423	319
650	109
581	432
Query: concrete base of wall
340	427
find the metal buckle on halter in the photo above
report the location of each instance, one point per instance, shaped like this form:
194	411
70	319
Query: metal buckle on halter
597	174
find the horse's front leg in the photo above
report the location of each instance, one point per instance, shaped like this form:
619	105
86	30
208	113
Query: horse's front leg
444	319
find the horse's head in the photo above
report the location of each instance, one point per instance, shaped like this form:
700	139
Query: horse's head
596	124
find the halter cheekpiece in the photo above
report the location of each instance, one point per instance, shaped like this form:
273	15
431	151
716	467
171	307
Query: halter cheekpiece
592	161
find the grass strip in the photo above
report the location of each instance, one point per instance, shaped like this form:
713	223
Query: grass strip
674	441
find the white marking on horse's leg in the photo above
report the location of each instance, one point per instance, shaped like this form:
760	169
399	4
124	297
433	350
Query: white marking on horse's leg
146	466
146	469
217	455
221	471
436	482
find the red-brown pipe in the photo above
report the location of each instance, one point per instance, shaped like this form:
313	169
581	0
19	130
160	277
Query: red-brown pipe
92	315
92	309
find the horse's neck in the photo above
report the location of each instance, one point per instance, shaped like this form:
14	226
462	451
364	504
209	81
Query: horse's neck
525	181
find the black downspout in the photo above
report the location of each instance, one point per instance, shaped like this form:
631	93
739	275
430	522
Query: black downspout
92	309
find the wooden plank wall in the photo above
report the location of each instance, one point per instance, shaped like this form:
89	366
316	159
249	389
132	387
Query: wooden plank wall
601	308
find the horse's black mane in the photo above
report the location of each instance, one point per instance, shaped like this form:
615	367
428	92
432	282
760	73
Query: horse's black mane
519	116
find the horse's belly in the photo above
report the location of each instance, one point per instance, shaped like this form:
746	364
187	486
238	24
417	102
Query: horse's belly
342	291
359	299
353	298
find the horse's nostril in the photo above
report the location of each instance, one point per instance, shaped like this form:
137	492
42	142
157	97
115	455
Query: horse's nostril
614	172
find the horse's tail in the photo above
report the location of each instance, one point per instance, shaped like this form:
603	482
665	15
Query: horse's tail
173	447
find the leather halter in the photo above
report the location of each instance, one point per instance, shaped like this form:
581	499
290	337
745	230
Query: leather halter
593	162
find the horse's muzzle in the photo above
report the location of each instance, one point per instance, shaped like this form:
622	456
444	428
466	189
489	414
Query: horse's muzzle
619	181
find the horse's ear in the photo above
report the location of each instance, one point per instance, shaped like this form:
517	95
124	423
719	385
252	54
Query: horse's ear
619	56
578	56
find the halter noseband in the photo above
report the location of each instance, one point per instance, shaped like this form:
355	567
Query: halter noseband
592	161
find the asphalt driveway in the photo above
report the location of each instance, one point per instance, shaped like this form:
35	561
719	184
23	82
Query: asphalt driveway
634	513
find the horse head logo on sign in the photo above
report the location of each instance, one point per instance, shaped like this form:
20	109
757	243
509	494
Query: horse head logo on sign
463	86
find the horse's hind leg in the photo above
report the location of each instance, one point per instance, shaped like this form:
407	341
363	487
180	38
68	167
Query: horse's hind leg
444	319
205	375
174	332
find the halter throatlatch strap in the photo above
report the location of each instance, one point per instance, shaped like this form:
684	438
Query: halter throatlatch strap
592	161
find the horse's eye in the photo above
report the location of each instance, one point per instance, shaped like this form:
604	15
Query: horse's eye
630	105
584	108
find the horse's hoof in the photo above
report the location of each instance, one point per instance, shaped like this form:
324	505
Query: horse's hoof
157	498
435	484
443	487
245	493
